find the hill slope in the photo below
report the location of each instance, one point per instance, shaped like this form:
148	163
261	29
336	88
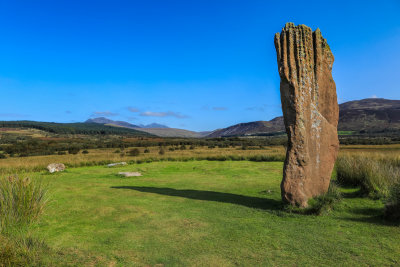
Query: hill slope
73	128
102	120
371	115
250	128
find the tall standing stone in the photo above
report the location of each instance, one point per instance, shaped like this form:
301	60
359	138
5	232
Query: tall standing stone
310	110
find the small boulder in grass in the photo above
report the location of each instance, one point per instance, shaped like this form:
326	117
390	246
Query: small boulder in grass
130	174
56	167
117	164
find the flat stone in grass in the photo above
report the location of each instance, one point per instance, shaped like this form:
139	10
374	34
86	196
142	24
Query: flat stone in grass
117	164
130	174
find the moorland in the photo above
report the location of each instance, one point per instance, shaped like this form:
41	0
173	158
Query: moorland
199	202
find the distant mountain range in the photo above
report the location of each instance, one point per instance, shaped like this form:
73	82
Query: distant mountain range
103	120
372	115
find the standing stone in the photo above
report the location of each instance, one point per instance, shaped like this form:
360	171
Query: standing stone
310	110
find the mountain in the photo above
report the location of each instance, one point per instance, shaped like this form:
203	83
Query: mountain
370	115
153	125
153	128
102	120
251	128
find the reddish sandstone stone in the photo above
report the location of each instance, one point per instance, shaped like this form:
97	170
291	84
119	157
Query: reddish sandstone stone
310	110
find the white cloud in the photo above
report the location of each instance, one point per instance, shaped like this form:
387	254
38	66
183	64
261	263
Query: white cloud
220	108
104	113
132	109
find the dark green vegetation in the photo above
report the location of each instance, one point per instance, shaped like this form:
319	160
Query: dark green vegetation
200	214
73	128
14	144
392	207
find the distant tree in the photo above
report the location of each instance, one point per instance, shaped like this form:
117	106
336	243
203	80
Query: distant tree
74	150
162	151
146	150
134	152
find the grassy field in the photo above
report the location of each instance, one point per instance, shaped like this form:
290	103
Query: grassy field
203	213
101	156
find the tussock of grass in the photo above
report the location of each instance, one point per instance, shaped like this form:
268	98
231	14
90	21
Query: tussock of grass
392	207
21	201
374	174
320	205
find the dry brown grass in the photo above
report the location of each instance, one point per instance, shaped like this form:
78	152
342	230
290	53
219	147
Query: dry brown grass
102	156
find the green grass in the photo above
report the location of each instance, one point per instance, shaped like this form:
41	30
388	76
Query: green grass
22	201
346	132
204	213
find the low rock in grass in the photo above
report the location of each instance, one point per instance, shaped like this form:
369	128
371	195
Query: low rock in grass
130	174
117	164
56	167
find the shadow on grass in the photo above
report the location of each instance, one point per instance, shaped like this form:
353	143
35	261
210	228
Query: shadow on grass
376	219
371	215
247	201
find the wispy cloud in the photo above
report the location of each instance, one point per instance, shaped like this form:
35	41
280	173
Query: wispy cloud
104	113
374	96
261	109
220	108
132	109
163	114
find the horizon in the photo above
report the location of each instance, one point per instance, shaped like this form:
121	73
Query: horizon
167	126
198	66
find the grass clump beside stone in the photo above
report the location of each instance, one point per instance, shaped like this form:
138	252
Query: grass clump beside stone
392	207
320	205
325	203
375	175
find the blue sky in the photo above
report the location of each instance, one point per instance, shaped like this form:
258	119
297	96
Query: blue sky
198	65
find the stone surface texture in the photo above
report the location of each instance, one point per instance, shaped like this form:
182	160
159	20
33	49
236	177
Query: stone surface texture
56	167
117	164
310	110
130	174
